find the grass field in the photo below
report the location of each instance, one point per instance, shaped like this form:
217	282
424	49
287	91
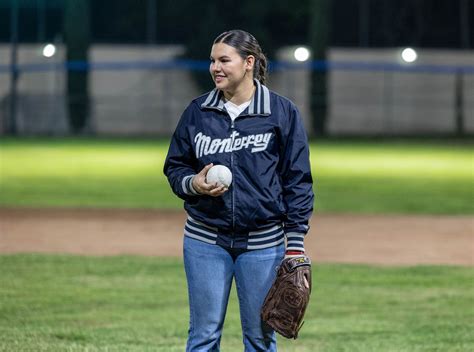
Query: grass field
433	177
125	303
69	303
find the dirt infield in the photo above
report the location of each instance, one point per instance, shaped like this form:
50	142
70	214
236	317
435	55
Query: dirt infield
372	239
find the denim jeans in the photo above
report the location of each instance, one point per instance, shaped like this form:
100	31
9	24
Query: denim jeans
209	272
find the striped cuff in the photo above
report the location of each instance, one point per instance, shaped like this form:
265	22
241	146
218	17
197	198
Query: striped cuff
187	185
295	241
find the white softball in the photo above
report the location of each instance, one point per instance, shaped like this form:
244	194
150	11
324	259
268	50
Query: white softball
220	174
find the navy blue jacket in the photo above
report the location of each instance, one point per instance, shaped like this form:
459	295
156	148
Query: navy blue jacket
266	148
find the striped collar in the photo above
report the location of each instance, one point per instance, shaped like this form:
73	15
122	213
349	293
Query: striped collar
259	105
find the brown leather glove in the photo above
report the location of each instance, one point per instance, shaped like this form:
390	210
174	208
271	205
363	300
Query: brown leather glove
286	302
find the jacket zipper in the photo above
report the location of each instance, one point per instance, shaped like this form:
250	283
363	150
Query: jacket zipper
232	126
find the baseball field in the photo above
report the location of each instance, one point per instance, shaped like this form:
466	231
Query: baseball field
90	248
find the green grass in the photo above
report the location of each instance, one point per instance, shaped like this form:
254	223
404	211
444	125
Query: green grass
431	176
125	303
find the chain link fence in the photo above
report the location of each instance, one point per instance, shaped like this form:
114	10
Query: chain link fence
142	90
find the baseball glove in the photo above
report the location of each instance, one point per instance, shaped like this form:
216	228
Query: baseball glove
286	302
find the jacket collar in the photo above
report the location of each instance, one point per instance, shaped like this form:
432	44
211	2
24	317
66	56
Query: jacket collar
259	105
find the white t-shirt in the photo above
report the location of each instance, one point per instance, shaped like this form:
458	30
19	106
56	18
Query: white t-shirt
235	110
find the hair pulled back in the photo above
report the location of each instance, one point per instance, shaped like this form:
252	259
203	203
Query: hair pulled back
246	44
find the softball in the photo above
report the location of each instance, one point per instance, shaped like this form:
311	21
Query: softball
220	174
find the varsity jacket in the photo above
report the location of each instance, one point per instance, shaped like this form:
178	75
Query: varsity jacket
266	149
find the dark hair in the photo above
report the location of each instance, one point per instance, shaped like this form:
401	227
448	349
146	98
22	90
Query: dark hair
246	44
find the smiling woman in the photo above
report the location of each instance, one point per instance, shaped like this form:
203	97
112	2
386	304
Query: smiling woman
231	73
239	231
236	60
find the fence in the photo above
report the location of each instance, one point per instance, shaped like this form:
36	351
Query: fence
142	90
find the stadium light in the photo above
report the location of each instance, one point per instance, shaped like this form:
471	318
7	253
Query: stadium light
301	54
409	55
49	50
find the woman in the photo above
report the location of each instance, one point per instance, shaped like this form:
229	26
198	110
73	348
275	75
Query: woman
239	232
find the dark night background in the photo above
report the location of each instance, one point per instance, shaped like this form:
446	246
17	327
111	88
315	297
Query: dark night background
353	23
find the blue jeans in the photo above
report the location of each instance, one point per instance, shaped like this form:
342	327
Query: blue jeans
209	272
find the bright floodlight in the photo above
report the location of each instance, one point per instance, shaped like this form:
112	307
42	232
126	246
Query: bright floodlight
301	54
49	50
409	55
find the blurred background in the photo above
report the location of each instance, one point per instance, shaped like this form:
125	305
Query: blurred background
130	67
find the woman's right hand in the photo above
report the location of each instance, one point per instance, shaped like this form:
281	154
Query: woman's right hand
200	185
